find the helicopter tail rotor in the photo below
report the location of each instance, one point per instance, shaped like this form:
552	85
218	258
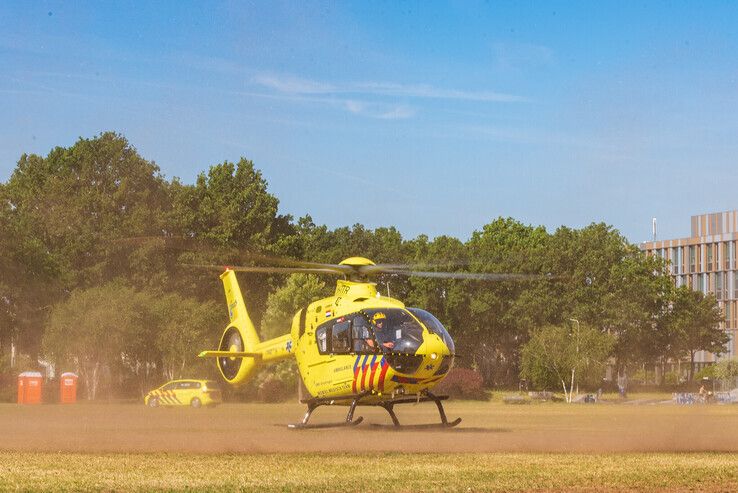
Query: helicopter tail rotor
236	355
240	350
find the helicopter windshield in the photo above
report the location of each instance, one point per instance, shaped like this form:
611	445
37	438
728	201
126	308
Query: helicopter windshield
396	330
434	326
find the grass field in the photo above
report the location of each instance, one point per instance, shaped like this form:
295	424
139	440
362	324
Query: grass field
375	472
604	447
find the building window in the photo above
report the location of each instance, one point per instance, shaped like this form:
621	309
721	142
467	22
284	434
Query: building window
692	255
728	320
709	258
718	285
726	255
674	262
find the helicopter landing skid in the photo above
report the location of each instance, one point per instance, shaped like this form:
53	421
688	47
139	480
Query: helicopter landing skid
315	403
388	406
445	423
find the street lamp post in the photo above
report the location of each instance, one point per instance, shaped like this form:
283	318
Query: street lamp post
576	362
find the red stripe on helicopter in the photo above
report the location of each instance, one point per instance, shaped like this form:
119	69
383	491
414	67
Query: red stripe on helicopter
373	366
364	366
382	373
356	374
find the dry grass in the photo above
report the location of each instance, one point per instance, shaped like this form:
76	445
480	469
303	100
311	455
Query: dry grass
364	472
497	447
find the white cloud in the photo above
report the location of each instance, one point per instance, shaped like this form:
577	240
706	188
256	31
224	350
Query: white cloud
379	110
430	92
295	85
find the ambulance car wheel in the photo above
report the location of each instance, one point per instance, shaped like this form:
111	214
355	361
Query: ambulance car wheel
153	402
195	402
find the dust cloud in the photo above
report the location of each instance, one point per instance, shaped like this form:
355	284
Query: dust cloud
261	428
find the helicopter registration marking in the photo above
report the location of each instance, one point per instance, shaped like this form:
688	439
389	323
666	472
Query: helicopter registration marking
342	290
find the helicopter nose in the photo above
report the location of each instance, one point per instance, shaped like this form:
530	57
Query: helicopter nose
434	350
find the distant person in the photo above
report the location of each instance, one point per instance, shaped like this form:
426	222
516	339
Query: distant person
623	385
703	393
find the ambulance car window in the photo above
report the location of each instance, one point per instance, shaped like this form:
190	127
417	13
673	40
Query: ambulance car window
170	386
321	336
340	342
197	385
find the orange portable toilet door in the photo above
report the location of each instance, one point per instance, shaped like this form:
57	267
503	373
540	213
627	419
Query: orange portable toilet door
68	388
32	381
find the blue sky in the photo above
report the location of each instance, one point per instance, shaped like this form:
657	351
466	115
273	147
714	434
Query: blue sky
432	117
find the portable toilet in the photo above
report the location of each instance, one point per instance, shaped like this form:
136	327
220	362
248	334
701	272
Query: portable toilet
68	388
29	387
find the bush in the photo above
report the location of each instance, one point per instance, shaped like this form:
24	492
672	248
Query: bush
273	390
463	383
671	378
705	372
274	383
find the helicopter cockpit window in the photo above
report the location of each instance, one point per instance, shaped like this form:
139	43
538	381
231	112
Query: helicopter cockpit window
434	326
341	340
322	337
395	330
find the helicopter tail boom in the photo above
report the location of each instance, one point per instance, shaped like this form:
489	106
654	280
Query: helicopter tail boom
240	349
267	351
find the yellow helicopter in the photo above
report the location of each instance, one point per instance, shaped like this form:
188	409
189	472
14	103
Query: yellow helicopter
354	348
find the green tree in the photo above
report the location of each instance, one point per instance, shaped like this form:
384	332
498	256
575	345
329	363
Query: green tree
230	216
230	206
695	319
80	200
298	292
726	370
186	327
27	277
564	357
493	328
94	330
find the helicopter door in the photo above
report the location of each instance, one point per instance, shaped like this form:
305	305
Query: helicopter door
363	338
341	342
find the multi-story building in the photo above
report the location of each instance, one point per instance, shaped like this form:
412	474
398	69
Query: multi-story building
706	261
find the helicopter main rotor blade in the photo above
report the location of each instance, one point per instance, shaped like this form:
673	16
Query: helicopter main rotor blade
474	276
288	262
270	270
369	270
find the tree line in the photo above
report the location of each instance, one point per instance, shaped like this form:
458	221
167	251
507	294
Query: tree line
97	250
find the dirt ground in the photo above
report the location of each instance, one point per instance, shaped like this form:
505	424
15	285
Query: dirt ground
261	428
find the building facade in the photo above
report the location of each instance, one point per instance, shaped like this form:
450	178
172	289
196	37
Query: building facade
706	261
